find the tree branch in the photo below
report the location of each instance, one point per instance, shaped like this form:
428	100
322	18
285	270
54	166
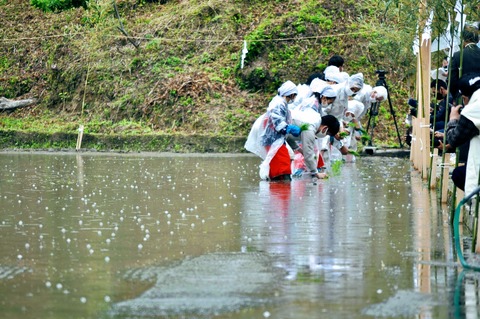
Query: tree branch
121	28
6	104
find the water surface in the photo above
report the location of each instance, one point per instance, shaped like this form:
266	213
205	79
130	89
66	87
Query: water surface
200	236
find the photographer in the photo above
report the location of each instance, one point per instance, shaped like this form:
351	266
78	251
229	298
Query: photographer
442	72
470	59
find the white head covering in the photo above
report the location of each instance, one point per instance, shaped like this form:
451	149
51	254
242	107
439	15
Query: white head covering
381	92
287	89
332	73
355	107
331	69
329	92
333	77
317	85
356	81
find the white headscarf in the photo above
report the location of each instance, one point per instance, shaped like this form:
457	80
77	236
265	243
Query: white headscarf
329	92
317	85
381	92
331	69
356	80
287	88
355	107
332	73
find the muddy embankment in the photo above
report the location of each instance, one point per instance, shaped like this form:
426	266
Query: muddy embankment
14	140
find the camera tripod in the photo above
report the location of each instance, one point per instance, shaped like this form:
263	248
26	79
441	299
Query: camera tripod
375	108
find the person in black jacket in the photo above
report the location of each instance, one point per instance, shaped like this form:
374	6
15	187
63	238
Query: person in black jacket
439	114
471	58
335	60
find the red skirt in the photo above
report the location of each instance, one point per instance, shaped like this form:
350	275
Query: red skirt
281	163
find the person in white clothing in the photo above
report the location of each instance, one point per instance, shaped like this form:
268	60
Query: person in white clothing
267	137
344	90
465	128
318	127
369	95
442	72
308	156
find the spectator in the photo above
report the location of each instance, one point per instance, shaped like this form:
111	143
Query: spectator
442	72
438	113
471	58
465	128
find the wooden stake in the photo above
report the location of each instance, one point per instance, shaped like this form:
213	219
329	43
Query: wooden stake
79	138
415	142
433	171
446	170
425	156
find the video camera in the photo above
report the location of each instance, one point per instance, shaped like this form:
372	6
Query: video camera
381	73
374	109
413	106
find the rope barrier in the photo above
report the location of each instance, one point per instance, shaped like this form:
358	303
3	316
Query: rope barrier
183	40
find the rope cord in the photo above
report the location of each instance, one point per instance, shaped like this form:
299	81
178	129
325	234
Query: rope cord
456	231
185	40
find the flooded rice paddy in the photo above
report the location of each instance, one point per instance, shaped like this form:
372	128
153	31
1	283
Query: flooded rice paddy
200	236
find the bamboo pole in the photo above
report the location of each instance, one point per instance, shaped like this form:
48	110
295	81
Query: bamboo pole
452	32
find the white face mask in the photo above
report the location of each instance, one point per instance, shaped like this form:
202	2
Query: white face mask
322	133
289	101
349	91
348	118
327	107
373	99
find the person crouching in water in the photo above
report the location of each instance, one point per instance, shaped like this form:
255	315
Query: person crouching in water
277	124
317	127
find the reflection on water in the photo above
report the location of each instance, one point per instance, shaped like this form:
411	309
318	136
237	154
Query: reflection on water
85	236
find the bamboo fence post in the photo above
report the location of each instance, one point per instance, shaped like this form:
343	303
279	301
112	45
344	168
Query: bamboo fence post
433	171
425	97
426	148
414	145
420	131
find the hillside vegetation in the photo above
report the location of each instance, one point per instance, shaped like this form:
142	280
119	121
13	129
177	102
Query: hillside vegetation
174	67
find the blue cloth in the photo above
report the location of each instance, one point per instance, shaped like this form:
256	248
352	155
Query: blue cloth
294	130
298	172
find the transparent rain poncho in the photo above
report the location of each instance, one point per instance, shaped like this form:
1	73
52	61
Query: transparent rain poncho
265	138
340	104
